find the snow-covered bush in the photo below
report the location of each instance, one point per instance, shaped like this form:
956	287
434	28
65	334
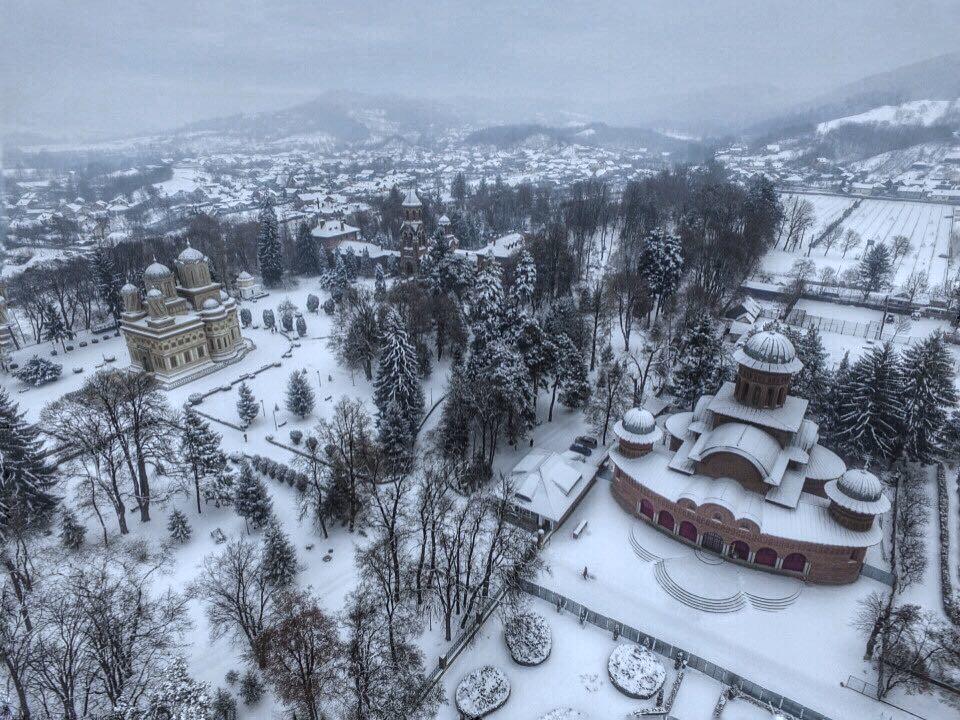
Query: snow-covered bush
528	637
223	707
37	371
269	319
251	688
313	302
178	527
246	317
636	671
287	321
296	436
301	325
564	714
946	585
329	306
482	691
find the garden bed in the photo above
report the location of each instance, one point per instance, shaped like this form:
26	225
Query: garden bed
482	691
636	671
528	638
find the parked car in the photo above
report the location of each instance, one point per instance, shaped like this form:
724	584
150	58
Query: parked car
587	441
585	451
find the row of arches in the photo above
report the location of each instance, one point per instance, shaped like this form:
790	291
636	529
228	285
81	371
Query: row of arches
738	549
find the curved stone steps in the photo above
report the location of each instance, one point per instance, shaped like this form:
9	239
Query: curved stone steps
774	604
640	550
708	557
725	605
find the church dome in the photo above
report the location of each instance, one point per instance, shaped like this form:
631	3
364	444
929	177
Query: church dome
858	491
211	304
444	220
153	294
244	275
129	289
638	421
157	271
190	255
769	351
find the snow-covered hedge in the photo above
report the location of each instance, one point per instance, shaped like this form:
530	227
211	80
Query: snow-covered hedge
37	371
636	671
564	714
482	691
950	606
279	472
528	637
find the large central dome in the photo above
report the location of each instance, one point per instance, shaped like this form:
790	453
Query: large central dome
769	351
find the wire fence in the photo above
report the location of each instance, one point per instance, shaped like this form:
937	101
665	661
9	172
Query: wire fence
721	674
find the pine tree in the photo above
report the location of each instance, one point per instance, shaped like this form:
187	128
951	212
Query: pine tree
380	285
279	557
27	482
395	440
574	381
250	498
929	395
834	403
300	398
875	268
269	319
301	324
699	369
661	265
72	532
54	328
486	307
813	380
247	407
251	688
224	707
524	279
178	527
308	259
108	281
200	449
397	382
871	408
176	695
269	251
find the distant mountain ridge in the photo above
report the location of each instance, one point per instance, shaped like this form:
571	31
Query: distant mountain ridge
594	134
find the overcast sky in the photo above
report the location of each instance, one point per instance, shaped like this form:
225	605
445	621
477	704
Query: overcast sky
125	65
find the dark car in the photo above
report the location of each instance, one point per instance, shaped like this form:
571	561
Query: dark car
583	450
587	441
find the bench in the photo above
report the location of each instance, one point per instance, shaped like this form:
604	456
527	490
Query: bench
579	529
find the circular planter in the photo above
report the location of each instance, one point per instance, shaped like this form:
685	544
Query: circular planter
528	638
482	691
636	671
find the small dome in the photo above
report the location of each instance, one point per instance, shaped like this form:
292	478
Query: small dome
244	275
444	220
858	491
157	271
153	294
211	304
769	351
190	255
860	485
129	289
638	421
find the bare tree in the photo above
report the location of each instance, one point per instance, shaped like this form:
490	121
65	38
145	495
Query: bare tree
851	239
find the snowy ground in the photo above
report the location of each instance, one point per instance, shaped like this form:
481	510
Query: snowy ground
928	225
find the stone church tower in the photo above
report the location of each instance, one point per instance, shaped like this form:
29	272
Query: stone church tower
413	238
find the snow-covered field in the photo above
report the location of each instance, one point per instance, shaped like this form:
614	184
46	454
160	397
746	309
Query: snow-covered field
927	225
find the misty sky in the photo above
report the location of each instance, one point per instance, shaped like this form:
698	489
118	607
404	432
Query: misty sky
125	65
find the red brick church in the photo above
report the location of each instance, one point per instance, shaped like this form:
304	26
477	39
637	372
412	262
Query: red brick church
744	475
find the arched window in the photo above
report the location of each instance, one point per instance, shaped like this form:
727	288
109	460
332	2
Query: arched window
646	508
769	397
740	550
688	531
794	562
665	520
766	556
756	396
783	395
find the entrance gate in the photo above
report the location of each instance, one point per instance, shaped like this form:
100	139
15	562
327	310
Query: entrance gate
713	542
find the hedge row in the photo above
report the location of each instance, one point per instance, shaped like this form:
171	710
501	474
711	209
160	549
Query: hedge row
950	606
279	472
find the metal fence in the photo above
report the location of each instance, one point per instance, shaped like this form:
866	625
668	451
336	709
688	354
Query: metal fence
713	670
877	574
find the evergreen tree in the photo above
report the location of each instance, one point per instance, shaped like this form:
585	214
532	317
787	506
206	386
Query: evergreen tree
875	268
279	557
250	498
396	440
834	403
301	325
397	383
308	259
72	532
572	374
108	281
178	527
313	303
524	279
380	284
269	250
251	688
38	371
661	265
224	707
871	408
813	380
486	307
247	407
300	397
54	328
458	189
929	395
174	694
269	319
699	369
200	450
26	480
434	264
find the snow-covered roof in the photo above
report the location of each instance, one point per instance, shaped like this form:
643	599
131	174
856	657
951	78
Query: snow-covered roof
787	418
859	491
157	270
547	483
190	255
747	441
411	199
333	228
769	351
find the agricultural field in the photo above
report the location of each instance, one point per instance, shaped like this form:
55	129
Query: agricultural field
928	226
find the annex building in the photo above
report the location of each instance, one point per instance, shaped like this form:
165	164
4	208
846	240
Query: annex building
745	476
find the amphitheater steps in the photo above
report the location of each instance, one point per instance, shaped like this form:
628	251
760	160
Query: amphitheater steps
725	605
774	604
640	550
708	557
